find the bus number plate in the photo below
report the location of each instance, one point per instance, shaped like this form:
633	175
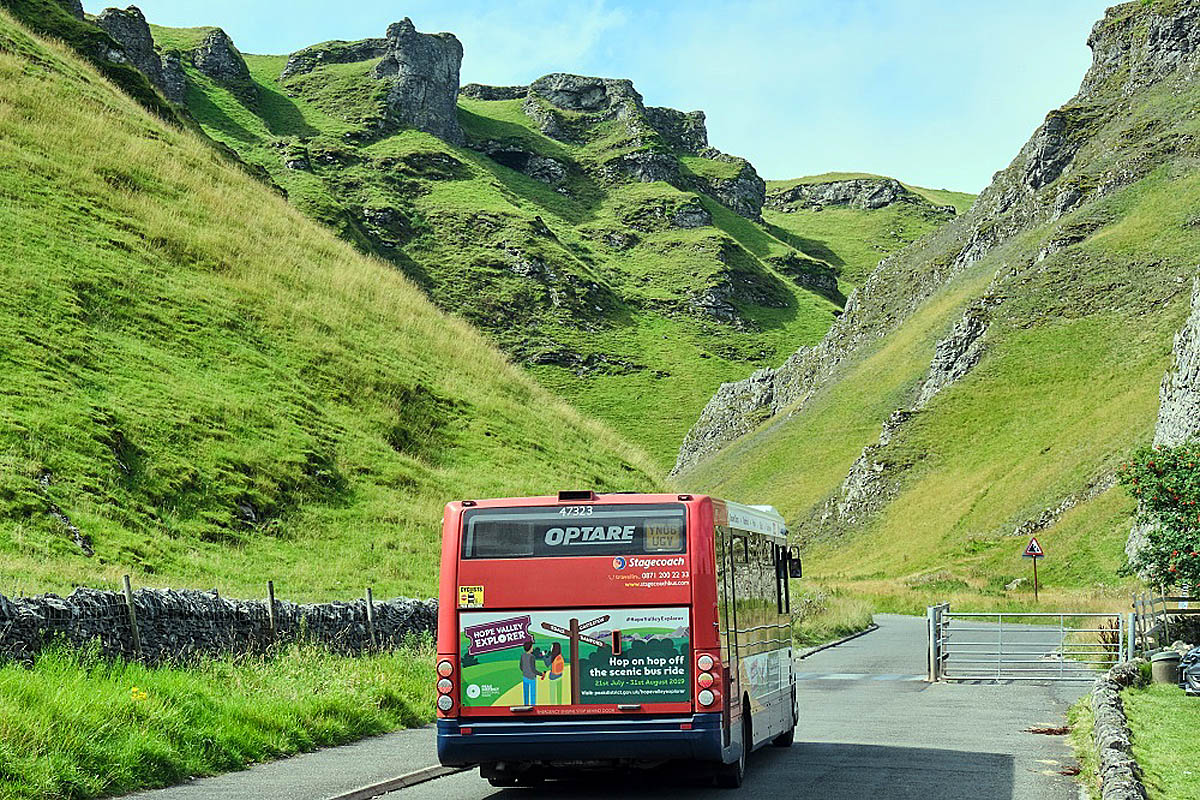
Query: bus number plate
664	538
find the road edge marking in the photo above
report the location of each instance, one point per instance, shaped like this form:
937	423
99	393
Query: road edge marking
401	782
843	640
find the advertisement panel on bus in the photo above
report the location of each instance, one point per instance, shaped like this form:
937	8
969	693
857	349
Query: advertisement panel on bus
588	657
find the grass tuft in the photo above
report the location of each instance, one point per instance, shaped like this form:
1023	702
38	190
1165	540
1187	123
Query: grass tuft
75	726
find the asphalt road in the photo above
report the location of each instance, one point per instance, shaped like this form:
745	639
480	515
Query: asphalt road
870	728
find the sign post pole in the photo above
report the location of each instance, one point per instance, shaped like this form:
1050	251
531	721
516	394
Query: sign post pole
1035	580
1034	550
574	661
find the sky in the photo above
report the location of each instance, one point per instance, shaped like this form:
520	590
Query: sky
938	93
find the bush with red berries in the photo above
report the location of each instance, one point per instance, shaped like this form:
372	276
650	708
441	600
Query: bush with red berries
1166	482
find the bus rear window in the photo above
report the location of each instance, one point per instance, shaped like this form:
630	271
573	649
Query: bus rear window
582	530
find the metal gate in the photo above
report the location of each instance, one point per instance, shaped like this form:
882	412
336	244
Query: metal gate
1045	646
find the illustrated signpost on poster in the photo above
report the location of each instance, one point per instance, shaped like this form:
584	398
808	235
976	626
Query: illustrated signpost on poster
575	634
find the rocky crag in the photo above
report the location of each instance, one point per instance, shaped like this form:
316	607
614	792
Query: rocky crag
1033	261
1179	399
861	193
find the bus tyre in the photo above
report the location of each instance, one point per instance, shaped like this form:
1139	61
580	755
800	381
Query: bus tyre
501	783
730	776
785	739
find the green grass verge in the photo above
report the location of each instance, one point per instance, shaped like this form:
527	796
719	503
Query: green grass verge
76	726
822	615
1164	722
1082	740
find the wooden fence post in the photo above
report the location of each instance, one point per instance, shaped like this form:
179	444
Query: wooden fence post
133	624
371	617
271	608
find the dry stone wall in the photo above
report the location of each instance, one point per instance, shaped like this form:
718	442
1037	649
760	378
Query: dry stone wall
180	624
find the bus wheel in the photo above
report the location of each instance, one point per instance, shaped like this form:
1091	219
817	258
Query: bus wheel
730	776
785	739
502	782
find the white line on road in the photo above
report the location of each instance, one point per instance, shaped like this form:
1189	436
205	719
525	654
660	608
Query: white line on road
394	784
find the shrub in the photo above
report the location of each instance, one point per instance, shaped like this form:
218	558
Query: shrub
1166	483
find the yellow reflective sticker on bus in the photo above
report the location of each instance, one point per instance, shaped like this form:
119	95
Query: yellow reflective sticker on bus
470	597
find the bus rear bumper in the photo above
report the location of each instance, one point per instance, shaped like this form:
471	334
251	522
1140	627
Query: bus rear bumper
645	739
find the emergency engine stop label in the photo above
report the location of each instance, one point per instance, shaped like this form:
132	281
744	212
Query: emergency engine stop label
619	656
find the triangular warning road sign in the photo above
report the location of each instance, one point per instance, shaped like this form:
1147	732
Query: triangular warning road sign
1034	550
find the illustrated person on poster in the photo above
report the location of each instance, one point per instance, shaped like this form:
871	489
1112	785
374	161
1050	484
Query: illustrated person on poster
530	673
555	665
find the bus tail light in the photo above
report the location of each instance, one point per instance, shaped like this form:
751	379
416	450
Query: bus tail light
445	686
708	673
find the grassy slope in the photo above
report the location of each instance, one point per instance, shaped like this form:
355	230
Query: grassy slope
855	240
215	389
644	362
76	726
939	197
1163	722
1069	383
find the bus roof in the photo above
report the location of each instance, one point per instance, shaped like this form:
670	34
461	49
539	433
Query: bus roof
757	518
760	519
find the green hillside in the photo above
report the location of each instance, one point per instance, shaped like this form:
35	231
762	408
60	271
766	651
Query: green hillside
1078	260
851	239
589	280
203	387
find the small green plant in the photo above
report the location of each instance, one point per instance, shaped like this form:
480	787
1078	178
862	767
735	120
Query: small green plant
1166	482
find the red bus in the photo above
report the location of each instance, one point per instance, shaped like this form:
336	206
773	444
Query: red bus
595	630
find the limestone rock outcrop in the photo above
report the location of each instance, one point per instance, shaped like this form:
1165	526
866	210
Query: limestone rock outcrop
744	193
859	193
1179	397
337	52
129	29
684	131
479	91
422	69
217	58
174	80
73	7
1178	401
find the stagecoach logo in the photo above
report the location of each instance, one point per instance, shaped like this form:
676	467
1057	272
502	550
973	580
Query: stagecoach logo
618	563
588	534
